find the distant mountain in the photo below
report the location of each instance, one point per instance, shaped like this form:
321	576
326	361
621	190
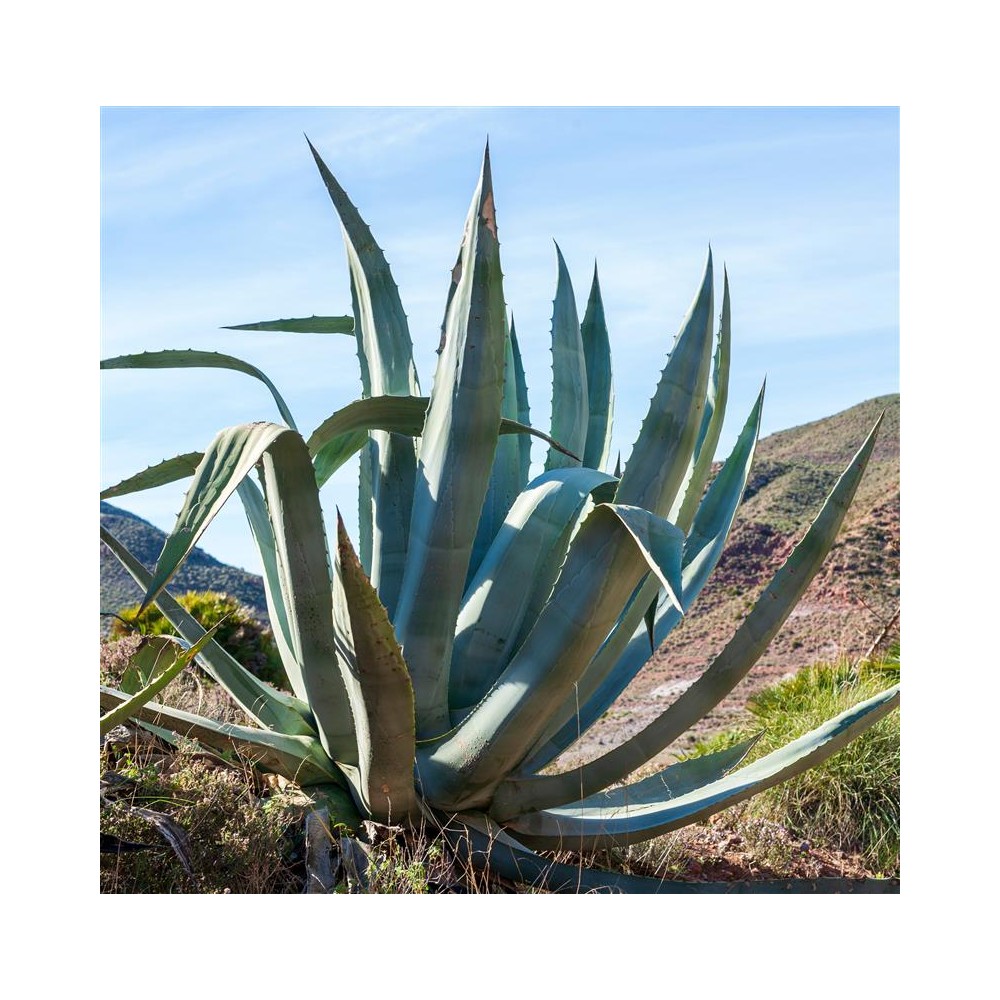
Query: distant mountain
199	571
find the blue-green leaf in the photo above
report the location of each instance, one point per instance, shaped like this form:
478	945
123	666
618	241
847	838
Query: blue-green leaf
590	825
307	324
600	388
456	456
689	497
386	728
523	412
199	359
386	354
299	758
569	373
168	471
655	471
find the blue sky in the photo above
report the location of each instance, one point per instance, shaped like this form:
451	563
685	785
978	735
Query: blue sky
217	216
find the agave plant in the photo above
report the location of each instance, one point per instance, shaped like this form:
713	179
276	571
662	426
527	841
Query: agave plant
484	621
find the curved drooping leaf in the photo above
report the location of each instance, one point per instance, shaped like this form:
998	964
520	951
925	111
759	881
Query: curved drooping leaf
165	658
673	781
684	508
630	645
456	457
608	557
387	730
231	455
345	432
587	825
266	705
299	758
520	568
307	324
199	359
600	388
734	662
170	470
488	848
655	471
569	373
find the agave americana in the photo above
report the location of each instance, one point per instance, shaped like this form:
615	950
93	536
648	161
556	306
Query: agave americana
484	621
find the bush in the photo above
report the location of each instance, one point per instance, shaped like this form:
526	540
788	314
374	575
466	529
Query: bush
851	801
241	635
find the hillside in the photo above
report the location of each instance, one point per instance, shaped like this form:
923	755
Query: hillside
199	571
854	594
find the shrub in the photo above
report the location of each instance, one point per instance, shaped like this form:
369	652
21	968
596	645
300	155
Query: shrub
241	634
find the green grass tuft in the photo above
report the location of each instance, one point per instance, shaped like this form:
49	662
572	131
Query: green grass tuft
851	801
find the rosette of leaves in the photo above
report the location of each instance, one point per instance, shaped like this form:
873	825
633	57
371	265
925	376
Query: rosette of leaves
485	620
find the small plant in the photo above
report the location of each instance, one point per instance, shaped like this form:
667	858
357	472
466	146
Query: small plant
242	636
485	620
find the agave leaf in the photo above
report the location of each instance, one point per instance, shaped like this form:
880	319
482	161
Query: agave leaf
600	389
674	780
277	610
488	847
367	470
608	557
168	471
229	458
689	497
266	705
384	345
505	479
299	758
586	825
343	433
523	411
307	324
199	359
380	323
656	468
456	457
164	658
520	566
621	658
726	671
386	732
569	373
303	563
